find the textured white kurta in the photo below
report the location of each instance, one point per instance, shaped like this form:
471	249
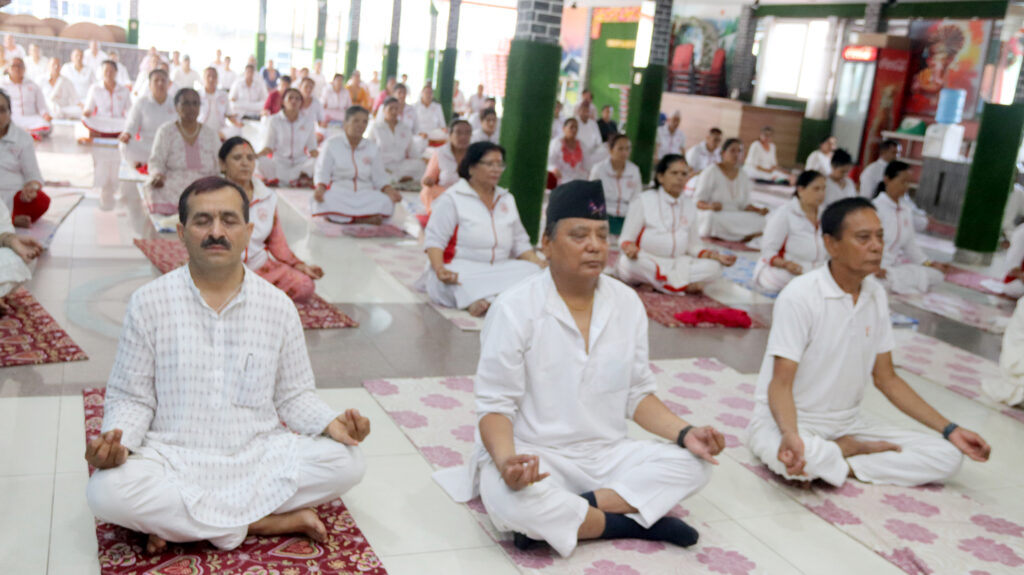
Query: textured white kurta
835	343
903	259
838	191
27	102
80	79
13	270
144	119
291	143
819	162
213	109
335	104
105	104
670	142
732	222
570	408
619	189
208	393
18	164
567	171
428	118
168	158
700	157
355	178
487	243
665	230
1009	389
396	149
790	236
62	98
248	99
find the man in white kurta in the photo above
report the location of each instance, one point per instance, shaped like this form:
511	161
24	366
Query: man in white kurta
589	135
145	118
61	96
670	138
908	270
476	101
210	362
761	162
80	75
28	104
1009	388
554	389
837	184
831	336
395	143
214	110
872	174
336	100
705	153
248	94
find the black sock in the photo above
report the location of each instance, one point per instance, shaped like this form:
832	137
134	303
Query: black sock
667	529
590	497
522	542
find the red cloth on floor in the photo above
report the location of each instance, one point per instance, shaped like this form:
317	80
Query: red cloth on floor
34	209
726	316
142	169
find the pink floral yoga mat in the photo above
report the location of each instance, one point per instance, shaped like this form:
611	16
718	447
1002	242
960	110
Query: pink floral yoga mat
663	308
29	335
122	552
299	199
971	280
989	318
315	313
929	530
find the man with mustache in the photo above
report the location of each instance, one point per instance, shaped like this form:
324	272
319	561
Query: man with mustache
211	360
831	335
563	364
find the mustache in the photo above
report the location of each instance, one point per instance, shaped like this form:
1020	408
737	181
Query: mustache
212	241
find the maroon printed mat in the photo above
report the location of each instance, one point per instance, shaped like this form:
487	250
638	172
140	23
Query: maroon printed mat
122	552
315	313
30	336
663	308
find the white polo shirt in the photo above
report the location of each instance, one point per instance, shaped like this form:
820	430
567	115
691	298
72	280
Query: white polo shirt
816	324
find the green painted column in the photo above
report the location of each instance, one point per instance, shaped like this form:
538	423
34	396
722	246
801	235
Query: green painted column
261	36
389	67
352	46
646	88
531	86
321	30
989	183
446	82
432	46
132	35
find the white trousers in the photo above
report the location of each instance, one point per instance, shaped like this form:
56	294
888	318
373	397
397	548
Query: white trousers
912	279
13	271
772	279
924	458
138	496
136	151
665	275
652	476
410	168
285	169
732	225
341	205
243	108
477	280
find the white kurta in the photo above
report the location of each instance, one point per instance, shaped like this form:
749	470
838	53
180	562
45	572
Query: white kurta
18	164
903	259
619	189
335	104
396	149
182	79
732	222
248	99
169	157
428	118
459	102
835	342
838	191
93	60
355	178
819	162
568	172
1014	259
80	79
62	98
700	157
487	243
1014	209
790	236
760	162
870	177
477	102
144	119
665	230
226	79
28	105
447	166
213	109
589	135
480	136
205	394
13	270
670	142
570	408
291	143
262	211
1009	388
105	104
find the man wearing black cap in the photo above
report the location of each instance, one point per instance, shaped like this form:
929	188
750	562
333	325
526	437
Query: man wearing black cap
563	363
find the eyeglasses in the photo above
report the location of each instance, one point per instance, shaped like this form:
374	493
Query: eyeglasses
496	165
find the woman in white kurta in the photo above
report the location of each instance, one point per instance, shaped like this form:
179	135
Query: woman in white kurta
660	242
336	100
838	185
442	170
762	162
905	267
145	118
20	178
621	180
394	142
28	104
183	151
476	242
567	160
289	149
60	94
1009	388
311	111
792	242
353	170
106	105
488	130
820	160
723	199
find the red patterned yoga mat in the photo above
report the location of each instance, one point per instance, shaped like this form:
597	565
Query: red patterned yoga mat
315	313
29	335
122	552
970	280
663	308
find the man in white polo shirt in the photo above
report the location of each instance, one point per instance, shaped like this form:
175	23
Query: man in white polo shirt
831	335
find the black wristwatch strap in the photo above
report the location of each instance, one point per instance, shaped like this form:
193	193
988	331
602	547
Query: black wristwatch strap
682	436
948	430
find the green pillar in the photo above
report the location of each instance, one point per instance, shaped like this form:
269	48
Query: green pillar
351	56
446	82
261	36
389	67
432	46
132	36
352	46
646	88
990	181
321	30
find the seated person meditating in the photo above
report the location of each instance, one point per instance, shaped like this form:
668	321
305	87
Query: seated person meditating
211	361
621	179
267	254
792	242
442	170
488	130
820	160
831	335
248	94
567	158
145	118
289	151
106	105
61	96
394	142
335	100
762	163
351	167
183	151
660	244
29	110
563	365
21	181
1009	387
16	255
723	198
476	243
837	183
905	267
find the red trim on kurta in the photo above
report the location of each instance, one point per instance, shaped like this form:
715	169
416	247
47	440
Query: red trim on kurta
662	278
640	235
449	250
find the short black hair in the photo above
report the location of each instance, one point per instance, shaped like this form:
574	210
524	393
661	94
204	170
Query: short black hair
353	110
614	139
455	124
888	144
730	142
181	94
109	63
475	154
210	184
805	179
155	71
892	170
230	144
841	158
666	162
285	78
389	100
487	113
836	212
715	131
570	119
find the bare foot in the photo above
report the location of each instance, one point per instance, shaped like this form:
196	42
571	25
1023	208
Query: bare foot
155	545
750	237
5	308
22	221
694	288
851	447
479	308
373	220
304	521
